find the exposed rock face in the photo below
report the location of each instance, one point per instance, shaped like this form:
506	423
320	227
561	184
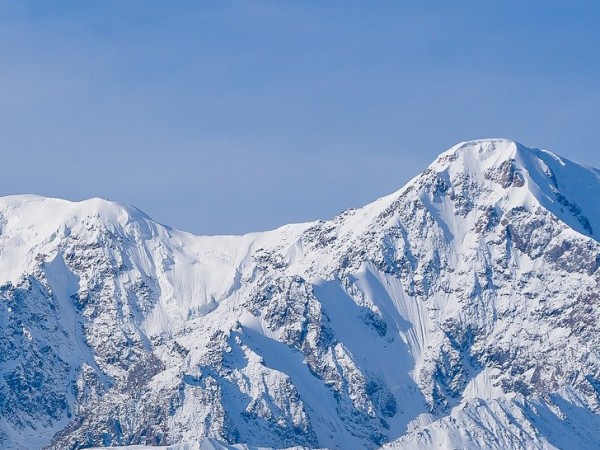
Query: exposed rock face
462	309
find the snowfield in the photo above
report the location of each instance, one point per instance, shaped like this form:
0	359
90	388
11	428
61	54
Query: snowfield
461	311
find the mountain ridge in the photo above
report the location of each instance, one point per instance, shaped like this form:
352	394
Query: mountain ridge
386	323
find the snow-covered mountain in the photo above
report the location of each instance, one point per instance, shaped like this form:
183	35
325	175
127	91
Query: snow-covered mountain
461	311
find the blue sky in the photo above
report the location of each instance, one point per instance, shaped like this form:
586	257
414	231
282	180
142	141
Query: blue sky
228	117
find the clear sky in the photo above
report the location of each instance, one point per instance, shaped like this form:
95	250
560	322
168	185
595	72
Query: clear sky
228	117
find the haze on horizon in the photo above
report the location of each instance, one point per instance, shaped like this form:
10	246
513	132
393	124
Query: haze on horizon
232	117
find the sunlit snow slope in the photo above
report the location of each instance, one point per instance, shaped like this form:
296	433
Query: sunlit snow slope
459	312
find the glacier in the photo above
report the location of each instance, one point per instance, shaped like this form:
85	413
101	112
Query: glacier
459	312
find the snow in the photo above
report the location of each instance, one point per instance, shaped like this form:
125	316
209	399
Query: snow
457	312
204	444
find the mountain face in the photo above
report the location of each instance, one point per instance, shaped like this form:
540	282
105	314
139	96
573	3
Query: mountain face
462	311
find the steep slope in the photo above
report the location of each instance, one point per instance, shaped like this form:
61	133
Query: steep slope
460	311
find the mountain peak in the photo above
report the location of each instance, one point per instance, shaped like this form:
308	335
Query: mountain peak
503	172
485	146
486	153
31	225
34	211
